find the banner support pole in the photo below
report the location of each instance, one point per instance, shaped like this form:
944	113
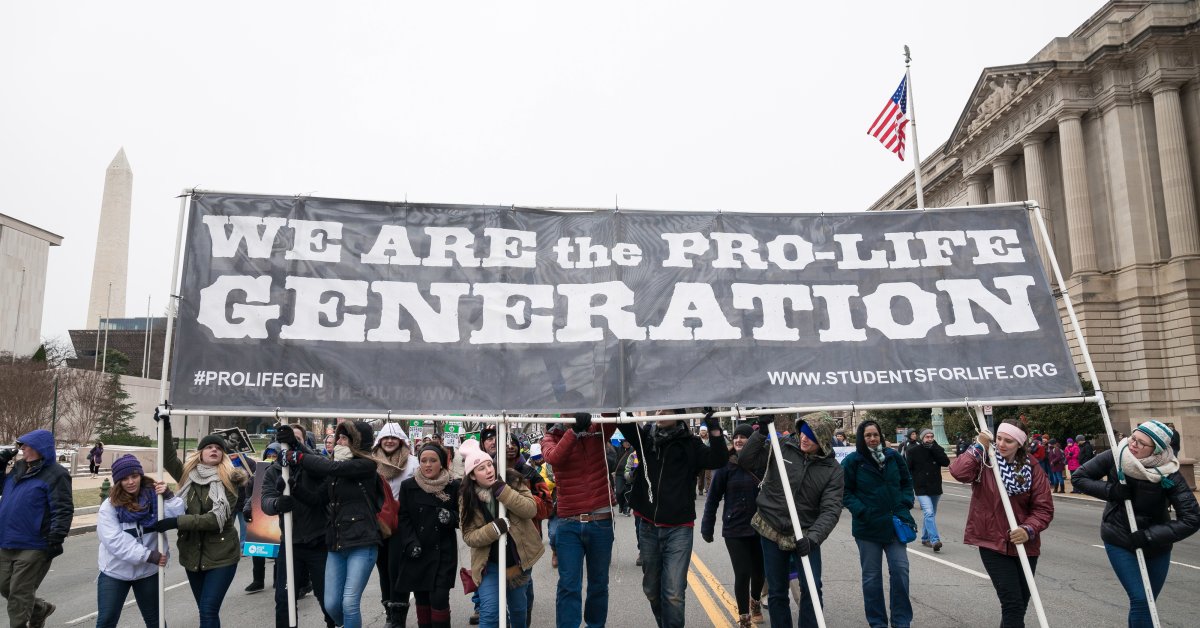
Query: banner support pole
289	558
1108	428
161	538
813	594
502	553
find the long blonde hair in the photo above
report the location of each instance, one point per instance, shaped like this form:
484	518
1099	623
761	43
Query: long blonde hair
225	470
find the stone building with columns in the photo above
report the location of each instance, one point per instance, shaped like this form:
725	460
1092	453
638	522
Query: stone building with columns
1102	128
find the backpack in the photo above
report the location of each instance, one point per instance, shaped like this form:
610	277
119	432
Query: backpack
387	509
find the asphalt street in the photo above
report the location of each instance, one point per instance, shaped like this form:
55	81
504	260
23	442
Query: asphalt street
948	589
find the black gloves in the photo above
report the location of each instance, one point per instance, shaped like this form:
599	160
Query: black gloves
713	425
803	546
583	420
501	524
161	416
6	455
445	517
764	423
284	503
415	552
285	435
162	525
1139	539
54	549
707	536
1117	490
154	557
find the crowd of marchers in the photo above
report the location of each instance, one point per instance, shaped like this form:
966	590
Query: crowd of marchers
369	501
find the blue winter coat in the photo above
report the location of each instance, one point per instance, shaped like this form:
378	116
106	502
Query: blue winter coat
873	495
36	506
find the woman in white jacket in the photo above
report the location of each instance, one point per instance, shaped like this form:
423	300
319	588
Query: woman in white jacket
128	558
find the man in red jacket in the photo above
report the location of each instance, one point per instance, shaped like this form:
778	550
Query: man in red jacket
585	513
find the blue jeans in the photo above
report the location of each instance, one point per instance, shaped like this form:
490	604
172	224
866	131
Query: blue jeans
777	565
552	532
579	542
110	598
517	601
666	553
209	587
1124	562
929	524
870	559
346	575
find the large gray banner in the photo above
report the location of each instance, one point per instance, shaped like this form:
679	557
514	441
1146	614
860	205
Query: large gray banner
325	304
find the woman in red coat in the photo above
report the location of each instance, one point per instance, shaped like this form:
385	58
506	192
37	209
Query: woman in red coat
987	525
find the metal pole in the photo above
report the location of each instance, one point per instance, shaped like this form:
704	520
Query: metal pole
813	594
1087	360
502	554
17	326
912	125
54	410
162	394
146	341
288	558
1012	525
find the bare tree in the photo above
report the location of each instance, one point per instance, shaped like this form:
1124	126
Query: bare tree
83	402
26	395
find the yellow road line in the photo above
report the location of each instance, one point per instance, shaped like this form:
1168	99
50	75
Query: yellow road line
719	591
714	610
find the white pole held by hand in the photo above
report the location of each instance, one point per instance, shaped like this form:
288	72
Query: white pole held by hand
289	559
813	595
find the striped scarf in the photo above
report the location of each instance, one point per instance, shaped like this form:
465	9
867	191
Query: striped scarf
1016	481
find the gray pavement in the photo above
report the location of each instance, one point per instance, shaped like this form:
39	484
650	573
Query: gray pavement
1076	583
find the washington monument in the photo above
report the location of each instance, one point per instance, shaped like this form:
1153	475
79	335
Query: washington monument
111	264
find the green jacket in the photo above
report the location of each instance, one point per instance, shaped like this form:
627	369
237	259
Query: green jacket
201	544
873	495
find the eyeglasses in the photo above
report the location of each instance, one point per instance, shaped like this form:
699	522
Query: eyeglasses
1139	442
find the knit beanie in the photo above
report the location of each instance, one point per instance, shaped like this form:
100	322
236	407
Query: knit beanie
924	432
745	429
472	456
1158	432
435	448
212	439
126	466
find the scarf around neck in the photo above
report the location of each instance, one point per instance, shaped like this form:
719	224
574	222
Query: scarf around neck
877	454
1155	468
436	486
342	453
1016	481
206	475
145	515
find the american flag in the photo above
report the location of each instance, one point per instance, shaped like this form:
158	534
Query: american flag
888	126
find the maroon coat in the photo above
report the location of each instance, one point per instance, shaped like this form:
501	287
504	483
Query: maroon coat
580	468
987	525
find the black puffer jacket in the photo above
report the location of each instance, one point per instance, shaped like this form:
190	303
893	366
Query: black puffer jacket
308	514
671	464
926	464
1150	501
350	493
739	488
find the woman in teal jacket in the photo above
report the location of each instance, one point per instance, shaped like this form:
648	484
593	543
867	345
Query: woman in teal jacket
878	488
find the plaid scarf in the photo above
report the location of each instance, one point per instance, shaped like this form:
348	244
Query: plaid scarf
1016	481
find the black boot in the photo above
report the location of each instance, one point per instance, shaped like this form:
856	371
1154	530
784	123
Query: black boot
397	614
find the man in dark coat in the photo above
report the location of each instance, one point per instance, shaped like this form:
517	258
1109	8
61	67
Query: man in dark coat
36	508
926	462
309	521
663	498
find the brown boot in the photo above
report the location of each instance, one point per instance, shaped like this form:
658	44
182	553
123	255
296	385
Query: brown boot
744	622
756	615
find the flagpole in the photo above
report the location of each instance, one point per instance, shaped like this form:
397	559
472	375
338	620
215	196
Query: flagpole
912	125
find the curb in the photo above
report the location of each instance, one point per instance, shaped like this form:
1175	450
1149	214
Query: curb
82	530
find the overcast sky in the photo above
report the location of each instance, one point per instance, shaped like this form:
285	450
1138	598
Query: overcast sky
740	106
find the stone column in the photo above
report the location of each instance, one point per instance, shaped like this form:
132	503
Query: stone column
1037	190
1178	197
1075	189
1002	179
976	192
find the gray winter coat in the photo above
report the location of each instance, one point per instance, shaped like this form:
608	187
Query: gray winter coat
816	486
